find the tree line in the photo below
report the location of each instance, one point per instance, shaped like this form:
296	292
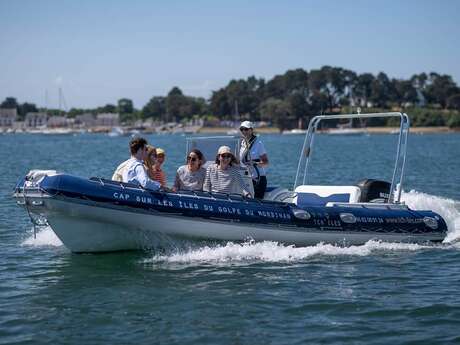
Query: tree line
286	99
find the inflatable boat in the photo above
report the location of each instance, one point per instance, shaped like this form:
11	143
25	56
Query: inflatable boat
99	215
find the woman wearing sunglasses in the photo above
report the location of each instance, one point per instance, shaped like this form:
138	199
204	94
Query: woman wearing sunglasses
191	176
254	156
224	175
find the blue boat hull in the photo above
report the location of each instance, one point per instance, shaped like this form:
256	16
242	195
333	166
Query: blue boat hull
98	215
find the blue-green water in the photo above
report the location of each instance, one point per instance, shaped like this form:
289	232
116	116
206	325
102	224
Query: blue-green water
262	293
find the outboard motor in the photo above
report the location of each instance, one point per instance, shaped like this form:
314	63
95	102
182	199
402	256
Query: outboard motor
374	190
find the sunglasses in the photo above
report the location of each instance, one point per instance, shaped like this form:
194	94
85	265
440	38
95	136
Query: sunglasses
226	156
242	129
192	159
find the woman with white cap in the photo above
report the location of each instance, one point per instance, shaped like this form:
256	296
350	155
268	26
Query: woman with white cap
224	176
254	156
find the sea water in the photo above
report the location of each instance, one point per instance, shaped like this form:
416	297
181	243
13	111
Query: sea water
235	293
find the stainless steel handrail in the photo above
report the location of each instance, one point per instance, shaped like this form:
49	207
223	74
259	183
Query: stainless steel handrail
400	152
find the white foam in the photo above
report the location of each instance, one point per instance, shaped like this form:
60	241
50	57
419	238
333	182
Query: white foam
274	252
447	208
44	237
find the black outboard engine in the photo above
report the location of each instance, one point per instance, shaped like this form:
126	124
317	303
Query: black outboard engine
374	190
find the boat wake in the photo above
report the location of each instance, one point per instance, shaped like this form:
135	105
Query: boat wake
272	252
275	252
448	209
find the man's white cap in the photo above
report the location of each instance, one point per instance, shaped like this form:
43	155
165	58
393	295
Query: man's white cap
247	124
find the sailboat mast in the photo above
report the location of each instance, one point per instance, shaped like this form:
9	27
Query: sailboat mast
60	102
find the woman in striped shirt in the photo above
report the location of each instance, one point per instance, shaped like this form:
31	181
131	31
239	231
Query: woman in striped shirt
224	175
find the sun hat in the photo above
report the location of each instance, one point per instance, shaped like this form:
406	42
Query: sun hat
246	124
160	152
224	149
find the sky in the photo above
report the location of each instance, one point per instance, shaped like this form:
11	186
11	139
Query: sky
100	51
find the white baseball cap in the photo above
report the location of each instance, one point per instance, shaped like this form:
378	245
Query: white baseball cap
246	124
224	149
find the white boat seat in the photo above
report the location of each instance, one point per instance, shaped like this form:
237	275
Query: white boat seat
321	195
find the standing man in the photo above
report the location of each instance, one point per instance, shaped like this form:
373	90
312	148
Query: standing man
254	156
133	170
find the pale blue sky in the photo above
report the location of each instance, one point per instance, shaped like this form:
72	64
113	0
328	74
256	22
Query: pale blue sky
100	51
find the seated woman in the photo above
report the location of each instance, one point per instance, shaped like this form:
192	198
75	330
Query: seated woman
150	160
153	165
155	171
224	175
191	176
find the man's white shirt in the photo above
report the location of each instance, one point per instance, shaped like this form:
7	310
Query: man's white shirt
135	173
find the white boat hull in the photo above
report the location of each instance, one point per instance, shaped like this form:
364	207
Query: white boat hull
94	228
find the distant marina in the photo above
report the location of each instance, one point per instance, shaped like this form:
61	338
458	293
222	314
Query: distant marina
110	124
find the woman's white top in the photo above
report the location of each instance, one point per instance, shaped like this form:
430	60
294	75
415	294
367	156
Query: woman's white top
189	180
257	150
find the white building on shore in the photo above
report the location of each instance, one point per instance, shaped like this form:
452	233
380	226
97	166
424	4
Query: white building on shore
8	117
34	120
108	119
86	120
57	121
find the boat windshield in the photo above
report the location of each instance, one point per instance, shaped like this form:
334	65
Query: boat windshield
209	146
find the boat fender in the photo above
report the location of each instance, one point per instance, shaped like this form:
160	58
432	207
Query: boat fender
301	214
34	177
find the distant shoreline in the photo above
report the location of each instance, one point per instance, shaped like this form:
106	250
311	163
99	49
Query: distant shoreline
233	131
374	130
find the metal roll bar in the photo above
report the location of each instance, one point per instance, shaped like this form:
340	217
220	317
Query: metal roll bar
400	162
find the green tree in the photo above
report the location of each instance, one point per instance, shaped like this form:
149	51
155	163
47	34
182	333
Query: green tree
453	102
405	92
454	120
243	95
25	108
9	103
73	112
362	90
193	106
276	111
125	106
174	102
298	107
155	108
219	104
108	108
275	88
440	88
333	86
382	91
